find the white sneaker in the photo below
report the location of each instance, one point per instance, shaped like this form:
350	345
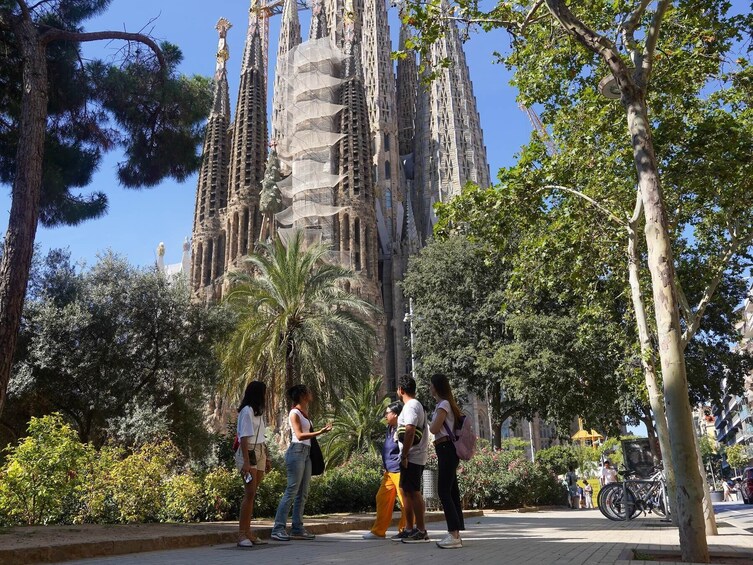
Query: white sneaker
449	542
245	543
371	535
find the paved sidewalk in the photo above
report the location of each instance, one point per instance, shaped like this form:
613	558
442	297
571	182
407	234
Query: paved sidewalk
552	537
555	537
47	544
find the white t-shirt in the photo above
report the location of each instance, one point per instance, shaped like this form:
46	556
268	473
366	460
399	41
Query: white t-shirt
413	413
245	427
449	419
260	429
305	426
609	475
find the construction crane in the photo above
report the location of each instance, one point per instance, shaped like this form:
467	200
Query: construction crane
533	117
259	14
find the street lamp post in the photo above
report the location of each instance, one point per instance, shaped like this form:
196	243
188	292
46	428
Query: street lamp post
409	320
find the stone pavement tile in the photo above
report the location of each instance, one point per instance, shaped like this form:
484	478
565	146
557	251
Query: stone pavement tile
542	538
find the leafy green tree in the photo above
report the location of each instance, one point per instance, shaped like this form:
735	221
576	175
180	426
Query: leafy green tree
297	323
557	458
666	63
122	352
358	422
526	354
59	114
737	456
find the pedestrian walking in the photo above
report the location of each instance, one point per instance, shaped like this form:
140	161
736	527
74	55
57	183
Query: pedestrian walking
446	418
573	500
413	436
608	473
390	487
298	466
588	494
252	455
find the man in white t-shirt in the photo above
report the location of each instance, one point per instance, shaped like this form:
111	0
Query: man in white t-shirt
414	437
608	473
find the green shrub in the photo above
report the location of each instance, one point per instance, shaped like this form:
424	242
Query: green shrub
223	492
351	487
43	475
137	481
98	505
269	493
183	499
506	479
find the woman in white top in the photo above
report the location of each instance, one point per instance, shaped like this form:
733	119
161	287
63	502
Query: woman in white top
298	465
446	418
253	447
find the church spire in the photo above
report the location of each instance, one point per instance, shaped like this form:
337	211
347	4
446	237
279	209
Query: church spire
212	187
249	153
407	80
319	27
290	36
448	131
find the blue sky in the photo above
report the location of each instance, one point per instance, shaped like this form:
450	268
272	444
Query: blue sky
138	220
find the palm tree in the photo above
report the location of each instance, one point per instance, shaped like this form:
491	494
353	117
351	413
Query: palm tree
297	323
357	423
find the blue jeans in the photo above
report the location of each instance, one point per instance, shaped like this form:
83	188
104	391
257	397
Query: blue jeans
298	464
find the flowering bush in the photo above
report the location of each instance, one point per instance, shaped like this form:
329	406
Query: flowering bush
505	479
44	474
51	477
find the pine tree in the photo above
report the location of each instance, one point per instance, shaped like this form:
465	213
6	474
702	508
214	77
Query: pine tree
59	114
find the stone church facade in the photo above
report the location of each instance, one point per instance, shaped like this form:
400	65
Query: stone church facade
365	151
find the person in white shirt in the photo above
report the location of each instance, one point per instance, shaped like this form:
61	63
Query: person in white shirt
298	465
608	473
414	437
253	450
446	418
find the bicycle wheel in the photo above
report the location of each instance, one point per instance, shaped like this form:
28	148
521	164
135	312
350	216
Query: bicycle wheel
607	494
614	504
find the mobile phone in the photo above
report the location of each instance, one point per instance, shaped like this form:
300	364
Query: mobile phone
248	477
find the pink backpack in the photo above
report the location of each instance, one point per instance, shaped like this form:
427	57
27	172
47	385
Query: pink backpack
464	438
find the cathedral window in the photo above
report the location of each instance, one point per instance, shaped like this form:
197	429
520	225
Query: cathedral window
357	243
345	230
386	141
387	170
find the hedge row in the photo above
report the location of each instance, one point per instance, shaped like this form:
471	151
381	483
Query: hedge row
50	477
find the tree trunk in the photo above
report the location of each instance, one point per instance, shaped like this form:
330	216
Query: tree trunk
25	196
494	415
708	507
661	264
648	361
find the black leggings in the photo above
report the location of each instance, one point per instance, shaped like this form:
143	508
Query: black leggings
449	492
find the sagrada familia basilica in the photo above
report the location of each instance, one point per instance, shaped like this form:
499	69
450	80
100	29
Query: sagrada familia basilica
356	154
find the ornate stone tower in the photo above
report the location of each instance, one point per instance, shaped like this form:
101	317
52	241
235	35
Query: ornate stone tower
290	36
362	157
449	143
212	191
249	149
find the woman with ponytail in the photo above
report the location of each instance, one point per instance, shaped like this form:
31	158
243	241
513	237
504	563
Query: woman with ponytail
446	418
298	465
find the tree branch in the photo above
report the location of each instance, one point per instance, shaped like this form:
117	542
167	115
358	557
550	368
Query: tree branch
54	34
652	38
502	23
627	30
529	17
695	321
592	41
611	215
24	9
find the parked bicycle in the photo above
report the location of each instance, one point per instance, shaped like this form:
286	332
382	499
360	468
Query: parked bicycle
625	500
